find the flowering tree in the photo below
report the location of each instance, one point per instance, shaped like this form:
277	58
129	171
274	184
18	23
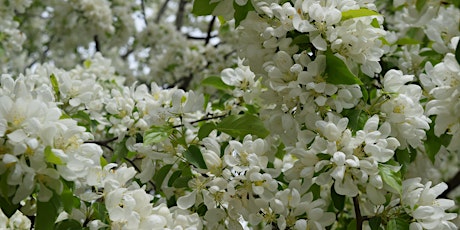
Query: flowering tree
245	114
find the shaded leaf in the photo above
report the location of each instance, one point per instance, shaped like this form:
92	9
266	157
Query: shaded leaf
159	176
47	213
457	53
7	207
195	157
338	200
375	222
398	224
242	125
338	72
203	7
241	12
205	130
433	143
69	224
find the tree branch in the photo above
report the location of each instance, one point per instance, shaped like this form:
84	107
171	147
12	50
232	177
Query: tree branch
359	218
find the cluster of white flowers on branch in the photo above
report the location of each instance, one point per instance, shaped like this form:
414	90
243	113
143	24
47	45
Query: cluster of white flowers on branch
246	114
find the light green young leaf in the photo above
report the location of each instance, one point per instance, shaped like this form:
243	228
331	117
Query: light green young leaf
51	158
203	7
157	134
419	4
242	125
216	82
338	73
195	157
391	177
358	13
55	85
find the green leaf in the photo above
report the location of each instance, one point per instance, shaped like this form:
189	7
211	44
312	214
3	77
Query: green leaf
99	211
173	177
391	177
159	176
375	222
157	134
419	4
405	157
69	201
457	53
358	13
352	225
47	213
241	12
120	151
194	156
203	7
398	224
242	125
356	118
55	85
216	82
205	130
315	190
182	182
68	224
407	41
7	207
338	72
433	143
338	200
51	158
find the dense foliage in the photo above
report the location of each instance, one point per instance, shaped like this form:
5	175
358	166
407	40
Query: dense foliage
222	114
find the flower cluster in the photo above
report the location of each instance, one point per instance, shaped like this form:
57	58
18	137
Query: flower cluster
298	114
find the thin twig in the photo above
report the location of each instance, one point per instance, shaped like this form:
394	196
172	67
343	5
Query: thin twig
139	170
202	119
104	143
143	12
359	218
210	27
97	43
161	11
